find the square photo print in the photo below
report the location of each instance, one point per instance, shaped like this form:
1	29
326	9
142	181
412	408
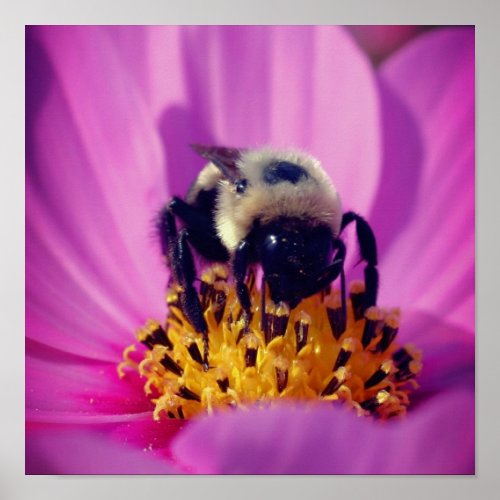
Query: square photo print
250	250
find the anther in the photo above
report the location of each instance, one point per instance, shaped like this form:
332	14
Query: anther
373	403
358	299
169	364
403	356
251	342
217	300
154	334
389	332
338	378
267	321
345	353
206	292
301	328
195	353
408	371
223	384
381	373
373	316
281	379
250	357
218	305
281	365
278	322
335	314
205	351
207	288
188	394
180	412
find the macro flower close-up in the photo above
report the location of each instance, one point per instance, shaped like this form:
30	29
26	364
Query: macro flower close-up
110	114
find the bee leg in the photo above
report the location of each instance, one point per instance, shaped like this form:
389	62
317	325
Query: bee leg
329	273
185	273
368	250
241	263
167	231
340	255
202	233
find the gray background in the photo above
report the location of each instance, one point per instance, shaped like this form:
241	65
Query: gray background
483	13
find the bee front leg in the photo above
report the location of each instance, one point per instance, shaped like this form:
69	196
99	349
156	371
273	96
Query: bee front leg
185	272
368	250
241	263
340	255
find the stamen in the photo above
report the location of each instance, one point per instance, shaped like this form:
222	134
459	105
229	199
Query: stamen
250	356
338	378
373	403
206	292
251	342
334	352
153	334
301	328
379	375
358	299
186	393
408	364
195	353
335	313
389	332
267	320
171	365
345	353
223	384
277	321
373	316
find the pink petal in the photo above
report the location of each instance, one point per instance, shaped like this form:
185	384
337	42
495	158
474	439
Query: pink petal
431	265
448	354
62	386
437	439
83	450
94	184
234	84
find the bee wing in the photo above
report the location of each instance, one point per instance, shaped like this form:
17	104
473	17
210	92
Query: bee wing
223	158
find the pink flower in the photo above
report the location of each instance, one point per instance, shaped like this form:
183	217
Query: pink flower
110	111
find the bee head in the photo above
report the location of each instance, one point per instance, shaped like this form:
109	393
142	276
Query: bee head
293	255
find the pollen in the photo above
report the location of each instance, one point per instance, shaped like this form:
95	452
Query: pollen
317	353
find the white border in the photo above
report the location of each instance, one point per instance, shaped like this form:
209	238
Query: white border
484	14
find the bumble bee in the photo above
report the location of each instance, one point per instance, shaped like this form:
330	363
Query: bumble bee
278	209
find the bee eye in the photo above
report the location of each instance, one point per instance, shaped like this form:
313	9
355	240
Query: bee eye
241	185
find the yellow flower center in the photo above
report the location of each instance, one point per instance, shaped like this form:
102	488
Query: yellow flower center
312	353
